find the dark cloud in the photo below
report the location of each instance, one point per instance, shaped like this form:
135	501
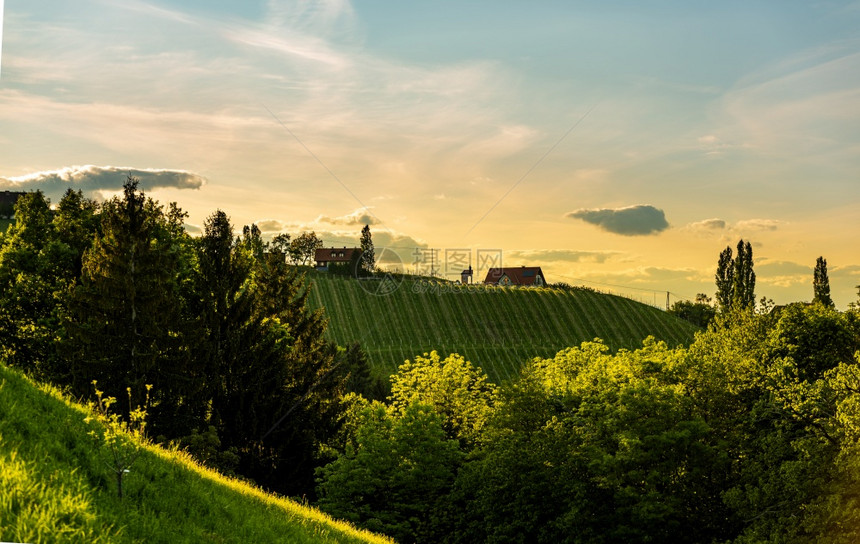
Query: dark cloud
630	221
92	179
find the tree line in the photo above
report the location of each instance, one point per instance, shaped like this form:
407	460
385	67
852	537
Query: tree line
218	325
735	280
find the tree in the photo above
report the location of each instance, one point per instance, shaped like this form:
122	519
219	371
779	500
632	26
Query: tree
700	313
736	279
28	281
743	284
271	383
606	448
821	283
368	258
124	317
394	475
725	279
458	391
280	244
303	247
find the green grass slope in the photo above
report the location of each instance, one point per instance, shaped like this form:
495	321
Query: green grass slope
55	486
496	328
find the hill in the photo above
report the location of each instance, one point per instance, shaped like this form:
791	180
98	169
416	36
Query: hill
55	486
496	328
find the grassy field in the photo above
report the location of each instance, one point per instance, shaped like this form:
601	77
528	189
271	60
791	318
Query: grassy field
4	224
496	328
55	486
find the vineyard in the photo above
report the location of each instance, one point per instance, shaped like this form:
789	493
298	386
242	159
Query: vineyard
495	328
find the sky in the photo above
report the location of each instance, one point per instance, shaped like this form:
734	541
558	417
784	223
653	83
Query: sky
617	145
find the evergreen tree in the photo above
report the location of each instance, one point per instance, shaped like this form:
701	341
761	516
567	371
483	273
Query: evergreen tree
821	283
272	386
725	279
368	258
124	317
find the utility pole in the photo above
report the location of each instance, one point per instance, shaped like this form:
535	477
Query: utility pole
667	301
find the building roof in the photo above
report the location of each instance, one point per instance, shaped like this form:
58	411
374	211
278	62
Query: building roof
523	275
335	254
10	197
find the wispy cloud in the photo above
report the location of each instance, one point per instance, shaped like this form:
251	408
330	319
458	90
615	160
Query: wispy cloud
758	225
808	102
713	224
565	256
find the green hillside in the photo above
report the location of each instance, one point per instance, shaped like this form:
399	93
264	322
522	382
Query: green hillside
496	328
56	486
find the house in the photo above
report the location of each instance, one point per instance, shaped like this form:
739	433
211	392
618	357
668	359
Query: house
326	256
466	276
7	202
524	275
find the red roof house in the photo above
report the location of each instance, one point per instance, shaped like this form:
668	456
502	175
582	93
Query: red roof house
524	275
333	255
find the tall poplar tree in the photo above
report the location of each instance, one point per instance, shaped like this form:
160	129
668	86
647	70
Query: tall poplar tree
735	278
725	279
821	283
368	257
743	284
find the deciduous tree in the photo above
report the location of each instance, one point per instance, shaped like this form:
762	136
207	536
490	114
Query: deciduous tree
303	247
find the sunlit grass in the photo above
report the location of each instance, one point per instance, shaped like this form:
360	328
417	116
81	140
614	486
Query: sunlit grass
55	486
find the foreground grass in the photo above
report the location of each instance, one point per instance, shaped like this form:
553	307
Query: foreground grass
497	329
55	486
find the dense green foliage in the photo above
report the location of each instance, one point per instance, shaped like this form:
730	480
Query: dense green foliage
749	435
496	328
55	486
218	326
700	313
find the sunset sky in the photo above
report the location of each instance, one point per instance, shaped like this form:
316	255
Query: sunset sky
616	144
